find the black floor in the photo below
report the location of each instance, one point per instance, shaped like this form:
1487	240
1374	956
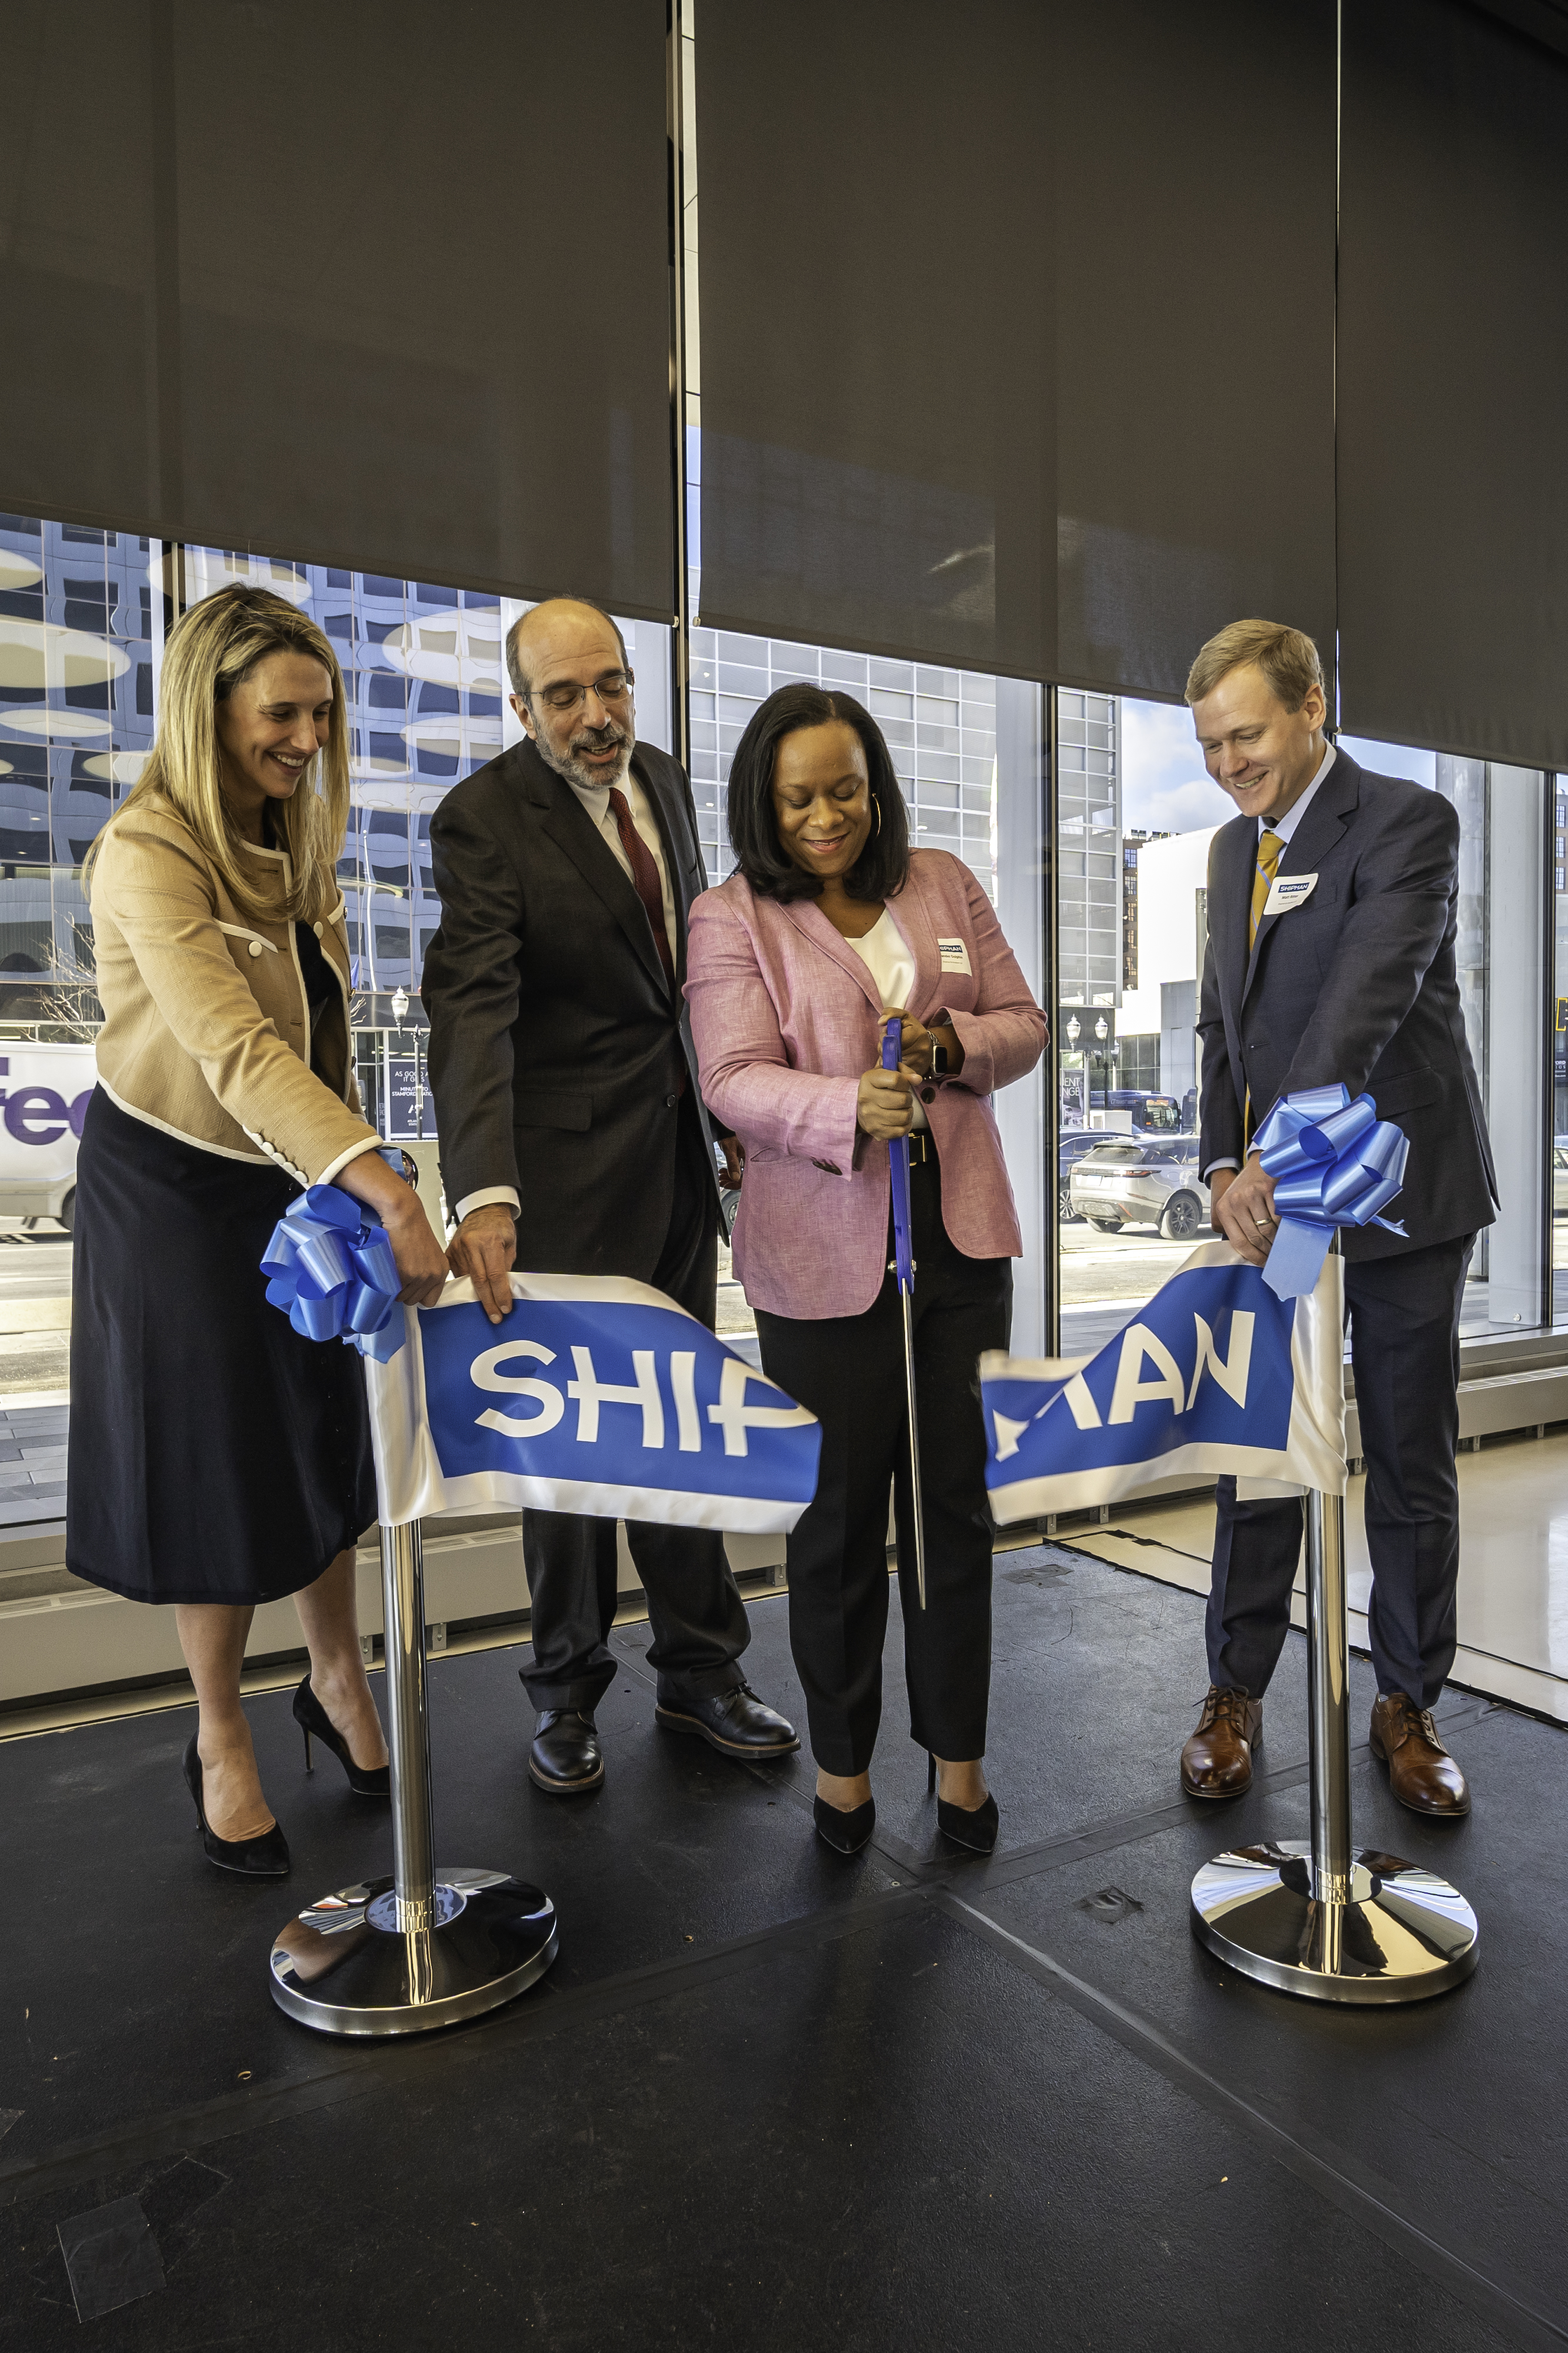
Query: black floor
770	2099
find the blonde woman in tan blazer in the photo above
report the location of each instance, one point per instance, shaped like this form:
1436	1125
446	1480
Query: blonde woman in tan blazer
217	1459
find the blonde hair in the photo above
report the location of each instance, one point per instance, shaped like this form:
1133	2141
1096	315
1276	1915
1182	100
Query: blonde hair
1287	658
211	649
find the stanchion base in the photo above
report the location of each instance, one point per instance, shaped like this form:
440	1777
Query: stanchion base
344	1967
1403	1935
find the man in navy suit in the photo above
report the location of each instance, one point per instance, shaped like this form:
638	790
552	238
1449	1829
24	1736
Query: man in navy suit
1348	975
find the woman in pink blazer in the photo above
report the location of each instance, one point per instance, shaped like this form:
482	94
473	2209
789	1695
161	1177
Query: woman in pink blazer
794	964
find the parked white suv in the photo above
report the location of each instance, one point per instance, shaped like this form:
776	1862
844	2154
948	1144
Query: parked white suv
1130	1180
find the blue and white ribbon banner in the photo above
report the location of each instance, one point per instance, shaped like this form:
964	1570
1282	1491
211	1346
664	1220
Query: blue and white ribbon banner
593	1396
1215	1374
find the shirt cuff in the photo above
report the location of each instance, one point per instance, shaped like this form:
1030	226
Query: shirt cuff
978	1071
354	1152
484	1196
1208	1171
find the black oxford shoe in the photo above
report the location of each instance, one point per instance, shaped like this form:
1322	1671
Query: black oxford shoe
733	1721
566	1759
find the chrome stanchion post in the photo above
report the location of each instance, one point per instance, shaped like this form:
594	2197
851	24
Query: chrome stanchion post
1327	1697
427	1946
402	1616
1316	1918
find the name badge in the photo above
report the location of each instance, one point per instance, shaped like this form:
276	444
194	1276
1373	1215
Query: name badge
1287	890
955	956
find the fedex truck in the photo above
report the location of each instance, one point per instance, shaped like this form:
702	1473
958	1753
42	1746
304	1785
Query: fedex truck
43	1094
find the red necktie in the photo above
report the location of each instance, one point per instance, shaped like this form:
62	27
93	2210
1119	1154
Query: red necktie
644	875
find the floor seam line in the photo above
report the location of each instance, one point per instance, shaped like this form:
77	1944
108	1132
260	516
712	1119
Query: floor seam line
1145	2039
548	2012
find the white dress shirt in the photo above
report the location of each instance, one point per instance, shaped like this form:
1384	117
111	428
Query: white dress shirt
595	800
1282	827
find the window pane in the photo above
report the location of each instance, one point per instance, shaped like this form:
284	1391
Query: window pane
78	652
1136	813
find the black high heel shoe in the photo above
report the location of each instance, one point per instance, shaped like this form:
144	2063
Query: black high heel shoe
973	1827
265	1857
847	1833
364	1780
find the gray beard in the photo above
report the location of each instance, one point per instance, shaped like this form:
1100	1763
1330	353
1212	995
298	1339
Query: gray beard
586	779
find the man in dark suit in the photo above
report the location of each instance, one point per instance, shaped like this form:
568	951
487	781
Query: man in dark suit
565	1086
1348	973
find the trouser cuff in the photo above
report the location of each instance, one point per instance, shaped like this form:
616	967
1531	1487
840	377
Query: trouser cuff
697	1682
583	1692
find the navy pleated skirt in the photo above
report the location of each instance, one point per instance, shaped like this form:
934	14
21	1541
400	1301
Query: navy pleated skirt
214	1455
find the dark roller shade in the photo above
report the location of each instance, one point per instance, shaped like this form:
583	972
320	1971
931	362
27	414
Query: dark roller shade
876	268
1453	383
1195	329
1017	328
377	284
79	262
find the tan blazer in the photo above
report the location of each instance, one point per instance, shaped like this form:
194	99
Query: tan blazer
207	1028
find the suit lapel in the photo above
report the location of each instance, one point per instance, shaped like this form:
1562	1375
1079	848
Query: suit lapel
813	924
1313	838
1230	903
562	816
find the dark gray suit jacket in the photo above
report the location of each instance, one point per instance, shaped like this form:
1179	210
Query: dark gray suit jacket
1358	983
557	1051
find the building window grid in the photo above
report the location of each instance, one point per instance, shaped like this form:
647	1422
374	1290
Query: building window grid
76	727
1088	848
423	680
941	727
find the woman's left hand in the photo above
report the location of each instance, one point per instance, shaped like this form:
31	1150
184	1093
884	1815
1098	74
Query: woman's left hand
918	1041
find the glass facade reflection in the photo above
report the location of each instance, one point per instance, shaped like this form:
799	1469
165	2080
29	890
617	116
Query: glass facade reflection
79	636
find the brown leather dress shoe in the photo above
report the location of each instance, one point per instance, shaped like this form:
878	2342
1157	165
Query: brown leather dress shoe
1218	1760
1421	1773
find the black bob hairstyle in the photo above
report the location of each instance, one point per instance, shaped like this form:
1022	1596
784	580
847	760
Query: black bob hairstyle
883	867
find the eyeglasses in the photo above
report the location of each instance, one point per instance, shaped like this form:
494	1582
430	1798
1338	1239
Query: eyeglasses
613	687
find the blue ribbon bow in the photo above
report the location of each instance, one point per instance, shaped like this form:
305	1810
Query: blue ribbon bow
334	1272
1334	1163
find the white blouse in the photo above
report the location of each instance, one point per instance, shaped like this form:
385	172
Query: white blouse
888	958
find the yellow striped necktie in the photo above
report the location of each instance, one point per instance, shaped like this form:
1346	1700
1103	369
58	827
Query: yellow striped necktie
1269	849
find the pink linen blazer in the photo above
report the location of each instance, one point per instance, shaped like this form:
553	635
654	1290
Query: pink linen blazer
784	1014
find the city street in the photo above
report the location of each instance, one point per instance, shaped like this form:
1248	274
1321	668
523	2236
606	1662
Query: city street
35	1307
1104	1277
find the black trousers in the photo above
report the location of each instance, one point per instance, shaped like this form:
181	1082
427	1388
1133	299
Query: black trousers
694	1607
1404	1347
849	1371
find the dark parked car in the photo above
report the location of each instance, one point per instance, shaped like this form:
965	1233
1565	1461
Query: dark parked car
1071	1146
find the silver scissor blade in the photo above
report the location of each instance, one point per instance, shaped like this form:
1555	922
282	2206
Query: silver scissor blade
915	1505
